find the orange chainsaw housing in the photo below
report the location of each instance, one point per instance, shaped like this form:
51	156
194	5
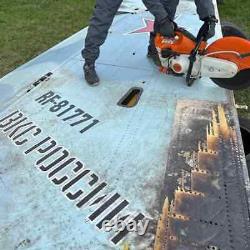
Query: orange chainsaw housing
181	44
227	48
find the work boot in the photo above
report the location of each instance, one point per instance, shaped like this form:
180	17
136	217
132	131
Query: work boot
90	74
152	51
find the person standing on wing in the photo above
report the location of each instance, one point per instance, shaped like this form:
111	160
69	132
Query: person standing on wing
163	11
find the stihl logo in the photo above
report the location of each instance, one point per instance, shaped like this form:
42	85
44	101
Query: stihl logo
168	41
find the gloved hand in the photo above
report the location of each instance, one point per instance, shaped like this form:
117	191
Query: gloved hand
207	30
166	28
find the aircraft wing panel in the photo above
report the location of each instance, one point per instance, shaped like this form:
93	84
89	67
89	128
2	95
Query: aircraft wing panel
142	147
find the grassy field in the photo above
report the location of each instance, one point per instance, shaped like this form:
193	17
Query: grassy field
29	27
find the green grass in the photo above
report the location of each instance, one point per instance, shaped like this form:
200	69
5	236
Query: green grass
237	11
29	27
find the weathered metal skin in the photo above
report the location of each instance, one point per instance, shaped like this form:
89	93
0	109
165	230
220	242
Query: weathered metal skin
70	156
205	204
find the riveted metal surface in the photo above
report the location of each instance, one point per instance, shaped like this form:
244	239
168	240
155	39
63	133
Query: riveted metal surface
205	203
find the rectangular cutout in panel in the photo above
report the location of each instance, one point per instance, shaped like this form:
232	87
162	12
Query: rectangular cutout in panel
131	98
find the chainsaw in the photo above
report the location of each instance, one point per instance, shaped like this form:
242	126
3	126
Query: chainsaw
226	61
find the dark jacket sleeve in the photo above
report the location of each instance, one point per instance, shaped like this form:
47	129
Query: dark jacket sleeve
205	8
157	9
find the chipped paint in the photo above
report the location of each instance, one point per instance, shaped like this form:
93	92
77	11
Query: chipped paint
126	247
162	226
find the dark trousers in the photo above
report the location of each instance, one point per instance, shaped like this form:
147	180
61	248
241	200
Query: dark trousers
105	11
99	25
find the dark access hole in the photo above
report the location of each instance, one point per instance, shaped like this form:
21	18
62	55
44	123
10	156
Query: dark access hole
131	98
246	140
245	133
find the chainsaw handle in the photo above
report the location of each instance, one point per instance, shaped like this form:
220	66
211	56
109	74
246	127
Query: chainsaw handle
205	30
192	58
